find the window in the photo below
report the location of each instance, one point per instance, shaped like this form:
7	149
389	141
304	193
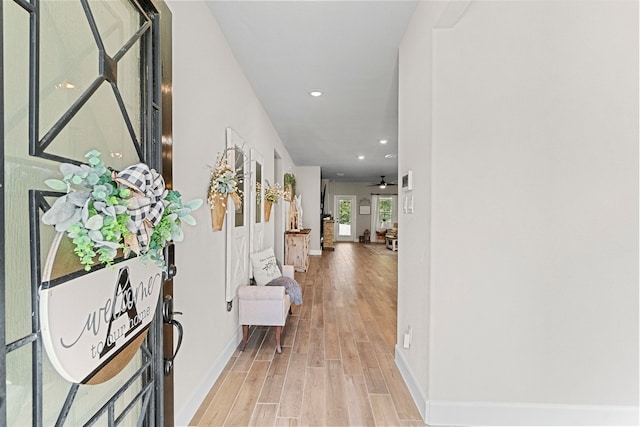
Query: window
385	207
344	217
345	212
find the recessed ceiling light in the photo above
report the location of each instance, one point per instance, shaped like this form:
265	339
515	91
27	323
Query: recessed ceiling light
315	93
360	157
383	141
390	156
340	173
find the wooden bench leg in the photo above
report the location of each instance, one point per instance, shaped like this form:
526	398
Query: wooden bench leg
278	332
245	336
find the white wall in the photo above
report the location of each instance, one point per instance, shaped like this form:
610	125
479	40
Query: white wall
210	93
414	153
308	186
532	276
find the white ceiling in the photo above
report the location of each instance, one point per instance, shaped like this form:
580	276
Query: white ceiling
346	49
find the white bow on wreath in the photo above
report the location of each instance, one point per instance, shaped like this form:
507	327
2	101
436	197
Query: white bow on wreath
146	204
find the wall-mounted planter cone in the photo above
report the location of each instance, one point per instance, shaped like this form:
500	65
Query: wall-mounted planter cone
218	210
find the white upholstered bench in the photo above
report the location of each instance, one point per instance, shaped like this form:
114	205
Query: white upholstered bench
264	306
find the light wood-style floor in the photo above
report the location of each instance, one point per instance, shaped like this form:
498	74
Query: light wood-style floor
337	366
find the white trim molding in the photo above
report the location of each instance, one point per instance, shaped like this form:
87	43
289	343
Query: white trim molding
441	413
183	416
315	252
445	413
419	396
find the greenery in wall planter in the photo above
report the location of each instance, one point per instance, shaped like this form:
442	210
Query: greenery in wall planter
289	186
273	193
225	182
103	211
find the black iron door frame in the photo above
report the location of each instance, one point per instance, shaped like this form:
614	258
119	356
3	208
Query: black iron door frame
149	149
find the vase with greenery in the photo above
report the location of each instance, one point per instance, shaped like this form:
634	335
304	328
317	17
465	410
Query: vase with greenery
272	194
224	183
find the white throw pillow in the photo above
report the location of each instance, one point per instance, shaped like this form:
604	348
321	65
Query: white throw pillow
265	266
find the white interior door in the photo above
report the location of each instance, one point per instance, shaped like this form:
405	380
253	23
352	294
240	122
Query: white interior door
345	216
238	223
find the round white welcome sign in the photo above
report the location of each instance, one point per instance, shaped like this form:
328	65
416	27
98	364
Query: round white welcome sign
88	320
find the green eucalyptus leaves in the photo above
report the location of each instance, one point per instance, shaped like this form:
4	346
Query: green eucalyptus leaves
103	212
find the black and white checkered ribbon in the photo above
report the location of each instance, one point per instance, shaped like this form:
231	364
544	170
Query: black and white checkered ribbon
145	207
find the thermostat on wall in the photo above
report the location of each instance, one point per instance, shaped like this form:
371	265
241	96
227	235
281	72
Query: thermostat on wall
407	181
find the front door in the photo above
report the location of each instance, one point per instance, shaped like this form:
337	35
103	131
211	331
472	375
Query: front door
76	76
345	218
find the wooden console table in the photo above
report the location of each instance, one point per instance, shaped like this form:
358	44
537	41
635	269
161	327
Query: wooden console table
296	244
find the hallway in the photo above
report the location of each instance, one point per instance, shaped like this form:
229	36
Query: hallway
337	365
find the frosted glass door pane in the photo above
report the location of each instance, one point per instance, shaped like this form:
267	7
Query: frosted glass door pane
19	395
117	22
68	59
20	173
98	125
71	63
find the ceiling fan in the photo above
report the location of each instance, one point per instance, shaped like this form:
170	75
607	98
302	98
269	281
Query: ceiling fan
382	183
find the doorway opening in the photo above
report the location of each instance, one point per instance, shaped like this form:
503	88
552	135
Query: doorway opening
345	209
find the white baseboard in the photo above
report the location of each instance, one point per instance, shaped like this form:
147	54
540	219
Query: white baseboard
183	416
419	396
315	251
441	413
445	413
